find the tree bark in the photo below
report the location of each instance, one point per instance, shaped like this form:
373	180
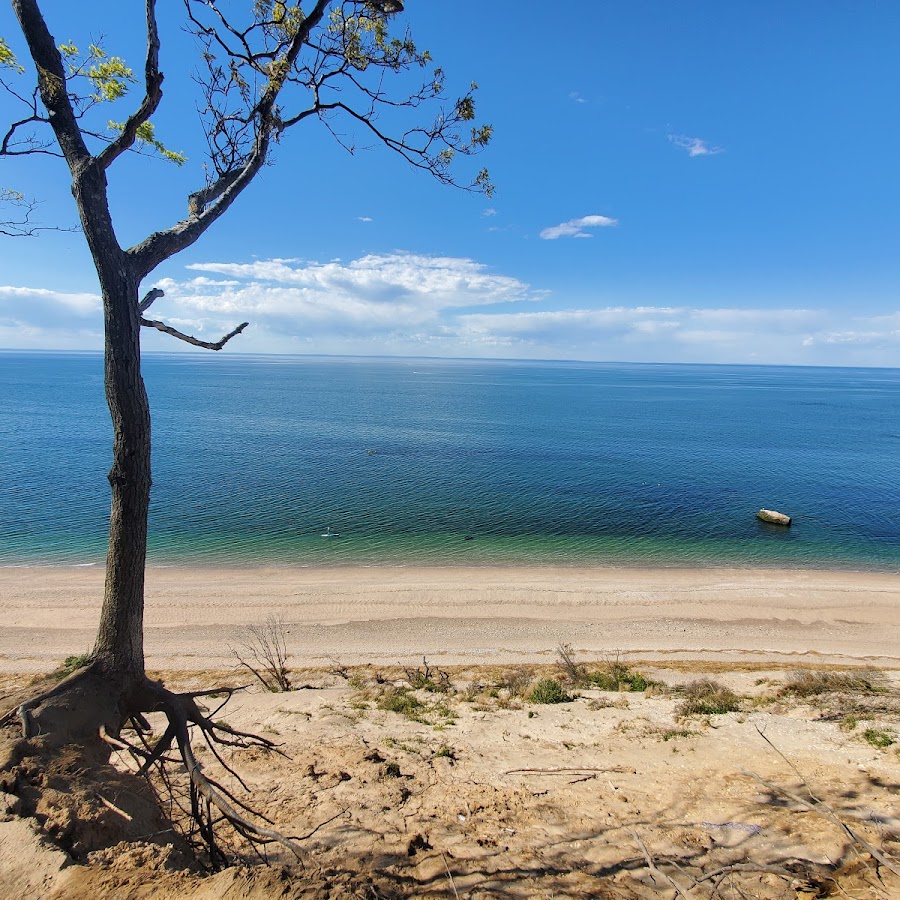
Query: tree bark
119	648
120	641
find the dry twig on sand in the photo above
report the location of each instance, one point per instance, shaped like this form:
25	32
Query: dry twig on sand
264	653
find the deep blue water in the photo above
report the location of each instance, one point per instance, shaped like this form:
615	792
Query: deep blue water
473	462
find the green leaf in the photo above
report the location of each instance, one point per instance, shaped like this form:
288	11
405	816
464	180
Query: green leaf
146	135
8	58
110	77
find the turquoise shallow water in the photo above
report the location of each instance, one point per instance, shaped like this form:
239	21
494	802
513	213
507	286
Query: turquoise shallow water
460	462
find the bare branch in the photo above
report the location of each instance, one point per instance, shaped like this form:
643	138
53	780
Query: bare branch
20	224
189	339
28	145
824	811
746	867
150	297
153	80
654	868
164	244
202	787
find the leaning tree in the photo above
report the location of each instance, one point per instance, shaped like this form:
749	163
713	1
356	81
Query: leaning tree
260	72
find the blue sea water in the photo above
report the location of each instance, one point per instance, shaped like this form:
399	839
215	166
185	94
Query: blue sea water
460	462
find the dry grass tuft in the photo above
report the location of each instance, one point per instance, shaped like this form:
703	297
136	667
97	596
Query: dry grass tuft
516	680
804	683
704	696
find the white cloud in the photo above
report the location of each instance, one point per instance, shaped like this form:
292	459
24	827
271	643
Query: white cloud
427	282
869	333
363	218
373	304
694	146
575	227
647	333
408	304
488	212
576	96
49	303
36	318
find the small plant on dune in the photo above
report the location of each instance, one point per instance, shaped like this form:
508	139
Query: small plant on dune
707	697
472	691
616	676
443	711
72	664
549	690
670	734
445	752
594	705
399	700
428	679
804	683
878	738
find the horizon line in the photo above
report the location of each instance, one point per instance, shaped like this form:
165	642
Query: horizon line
463	359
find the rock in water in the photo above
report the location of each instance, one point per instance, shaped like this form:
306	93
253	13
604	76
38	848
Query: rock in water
774	518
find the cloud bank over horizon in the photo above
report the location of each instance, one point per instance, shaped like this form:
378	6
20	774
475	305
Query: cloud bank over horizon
408	304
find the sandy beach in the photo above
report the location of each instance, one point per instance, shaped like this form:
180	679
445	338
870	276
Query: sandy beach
456	780
457	615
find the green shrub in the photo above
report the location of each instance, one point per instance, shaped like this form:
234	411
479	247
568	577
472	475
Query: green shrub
878	738
549	690
618	677
400	701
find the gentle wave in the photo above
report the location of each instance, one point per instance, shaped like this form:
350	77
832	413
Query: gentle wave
454	463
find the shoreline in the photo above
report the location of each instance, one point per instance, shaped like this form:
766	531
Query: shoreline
460	615
562	565
601	562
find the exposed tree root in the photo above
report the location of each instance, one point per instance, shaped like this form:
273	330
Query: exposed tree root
100	714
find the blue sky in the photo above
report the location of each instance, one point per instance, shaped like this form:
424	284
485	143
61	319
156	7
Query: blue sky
676	182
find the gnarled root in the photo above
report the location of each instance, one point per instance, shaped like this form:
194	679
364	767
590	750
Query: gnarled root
210	802
102	714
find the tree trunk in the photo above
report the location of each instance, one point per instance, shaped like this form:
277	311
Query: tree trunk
119	649
120	643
